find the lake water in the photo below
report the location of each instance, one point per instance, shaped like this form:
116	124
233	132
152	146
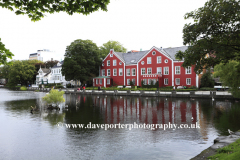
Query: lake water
44	135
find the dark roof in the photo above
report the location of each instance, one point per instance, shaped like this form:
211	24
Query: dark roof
134	57
102	77
55	66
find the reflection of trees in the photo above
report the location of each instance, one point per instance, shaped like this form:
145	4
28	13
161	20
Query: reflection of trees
53	117
227	119
21	106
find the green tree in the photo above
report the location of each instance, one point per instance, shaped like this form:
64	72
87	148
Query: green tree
207	80
215	31
111	45
4	54
229	75
49	64
54	97
20	72
81	60
35	9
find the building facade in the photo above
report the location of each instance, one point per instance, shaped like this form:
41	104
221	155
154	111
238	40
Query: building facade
147	67
43	55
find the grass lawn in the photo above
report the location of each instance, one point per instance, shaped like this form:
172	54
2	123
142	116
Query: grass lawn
232	151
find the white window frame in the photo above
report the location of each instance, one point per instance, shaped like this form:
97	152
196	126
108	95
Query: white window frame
165	81
176	81
154	53
108	81
128	72
149	81
120	71
133	71
159	59
100	81
154	81
133	80
103	70
187	81
108	72
149	60
142	71
150	69
159	68
166	70
111	55
188	70
114	74
96	81
108	63
145	81
178	68
114	62
128	81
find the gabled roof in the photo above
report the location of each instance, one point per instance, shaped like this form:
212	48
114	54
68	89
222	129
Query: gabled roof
172	51
56	65
133	57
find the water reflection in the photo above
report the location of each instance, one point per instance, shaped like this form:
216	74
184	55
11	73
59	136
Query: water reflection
213	117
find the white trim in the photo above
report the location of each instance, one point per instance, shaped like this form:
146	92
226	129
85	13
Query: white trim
116	71
197	80
129	72
190	70
130	64
160	59
116	62
119	71
190	81
104	79
129	81
176	81
150	60
179	70
109	72
172	74
132	71
124	74
161	51
109	62
160	70
164	81
144	69
164	70
137	75
147	70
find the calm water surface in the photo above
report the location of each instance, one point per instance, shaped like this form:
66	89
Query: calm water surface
36	136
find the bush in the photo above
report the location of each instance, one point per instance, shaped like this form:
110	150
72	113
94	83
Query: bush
207	89
207	80
23	88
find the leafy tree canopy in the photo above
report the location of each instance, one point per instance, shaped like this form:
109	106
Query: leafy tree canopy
215	31
35	9
207	80
229	75
81	60
111	45
49	64
4	54
54	97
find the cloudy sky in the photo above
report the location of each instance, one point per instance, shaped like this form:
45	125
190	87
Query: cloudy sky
136	24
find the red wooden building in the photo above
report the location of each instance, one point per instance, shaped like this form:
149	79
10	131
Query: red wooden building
156	64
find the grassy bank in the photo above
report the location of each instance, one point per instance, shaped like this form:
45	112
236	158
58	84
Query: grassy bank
232	151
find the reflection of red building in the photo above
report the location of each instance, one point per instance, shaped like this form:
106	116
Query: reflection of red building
145	66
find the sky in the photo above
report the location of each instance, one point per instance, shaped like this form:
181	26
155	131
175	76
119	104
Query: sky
136	24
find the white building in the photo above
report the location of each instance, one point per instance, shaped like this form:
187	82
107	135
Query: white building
52	75
43	55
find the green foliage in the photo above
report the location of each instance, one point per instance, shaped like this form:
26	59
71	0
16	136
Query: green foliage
4	53
229	74
81	60
207	80
54	97
207	89
49	64
23	88
105	49
35	9
20	72
215	31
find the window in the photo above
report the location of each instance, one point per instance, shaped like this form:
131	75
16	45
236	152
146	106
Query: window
120	72
111	55
100	81
166	70
133	80
133	72
154	81
143	71
188	70
108	72
128	72
177	81
120	63
114	72
108	81
144	81
149	60
153	53
149	71
166	61
142	62
128	81
188	81
149	81
166	81
159	70
103	72
96	81
114	62
159	59
103	64
108	63
177	69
